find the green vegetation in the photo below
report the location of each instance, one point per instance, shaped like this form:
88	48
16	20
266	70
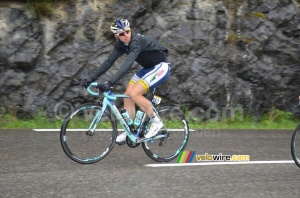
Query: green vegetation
257	14
276	119
42	8
233	38
11	122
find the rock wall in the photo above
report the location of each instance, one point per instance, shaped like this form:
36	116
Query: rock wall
245	57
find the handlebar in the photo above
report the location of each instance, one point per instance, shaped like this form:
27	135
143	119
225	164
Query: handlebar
92	92
106	94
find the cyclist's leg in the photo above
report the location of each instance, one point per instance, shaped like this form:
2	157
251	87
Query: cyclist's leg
150	80
130	108
136	94
128	102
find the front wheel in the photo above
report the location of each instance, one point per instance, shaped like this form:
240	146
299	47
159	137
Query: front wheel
295	146
83	145
176	131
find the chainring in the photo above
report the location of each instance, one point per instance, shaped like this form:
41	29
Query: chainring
130	143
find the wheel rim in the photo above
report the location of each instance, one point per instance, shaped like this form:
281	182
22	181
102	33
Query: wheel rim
177	129
82	145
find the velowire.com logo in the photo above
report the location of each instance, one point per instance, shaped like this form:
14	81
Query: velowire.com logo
189	156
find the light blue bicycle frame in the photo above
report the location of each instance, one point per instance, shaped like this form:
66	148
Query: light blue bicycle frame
108	101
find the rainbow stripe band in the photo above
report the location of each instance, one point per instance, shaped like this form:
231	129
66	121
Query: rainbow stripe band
186	156
179	157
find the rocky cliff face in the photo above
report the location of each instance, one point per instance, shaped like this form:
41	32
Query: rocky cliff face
246	56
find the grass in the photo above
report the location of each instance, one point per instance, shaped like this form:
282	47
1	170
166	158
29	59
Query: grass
246	124
276	119
10	122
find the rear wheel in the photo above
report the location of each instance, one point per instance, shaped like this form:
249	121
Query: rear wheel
83	145
176	131
295	146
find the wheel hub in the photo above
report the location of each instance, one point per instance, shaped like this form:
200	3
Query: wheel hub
89	133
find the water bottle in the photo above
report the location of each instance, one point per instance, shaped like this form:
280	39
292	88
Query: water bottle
138	117
126	117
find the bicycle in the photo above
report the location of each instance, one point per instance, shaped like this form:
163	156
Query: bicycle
89	132
295	144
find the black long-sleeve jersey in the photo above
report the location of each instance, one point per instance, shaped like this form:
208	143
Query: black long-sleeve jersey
143	49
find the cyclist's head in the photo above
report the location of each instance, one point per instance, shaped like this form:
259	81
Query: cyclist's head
121	30
119	25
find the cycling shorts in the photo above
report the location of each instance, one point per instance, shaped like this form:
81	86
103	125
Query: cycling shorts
152	77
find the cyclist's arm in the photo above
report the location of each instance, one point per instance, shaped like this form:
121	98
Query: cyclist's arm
125	67
115	54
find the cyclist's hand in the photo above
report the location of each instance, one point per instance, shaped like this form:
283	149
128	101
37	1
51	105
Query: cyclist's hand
105	86
85	82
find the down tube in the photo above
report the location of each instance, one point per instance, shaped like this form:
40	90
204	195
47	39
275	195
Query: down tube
121	121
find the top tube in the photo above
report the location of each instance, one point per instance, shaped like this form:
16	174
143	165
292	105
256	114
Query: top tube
110	95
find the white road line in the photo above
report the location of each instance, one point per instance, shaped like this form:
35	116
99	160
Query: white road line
219	163
54	130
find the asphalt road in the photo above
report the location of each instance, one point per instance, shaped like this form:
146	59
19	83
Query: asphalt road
33	164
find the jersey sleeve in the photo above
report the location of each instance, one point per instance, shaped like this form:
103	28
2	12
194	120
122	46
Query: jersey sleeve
115	54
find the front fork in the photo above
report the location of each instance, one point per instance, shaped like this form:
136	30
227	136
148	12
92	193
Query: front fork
96	120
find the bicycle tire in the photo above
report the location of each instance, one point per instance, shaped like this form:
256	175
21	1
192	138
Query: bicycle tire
81	145
295	146
168	148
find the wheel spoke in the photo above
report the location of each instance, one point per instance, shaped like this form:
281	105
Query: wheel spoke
168	148
79	143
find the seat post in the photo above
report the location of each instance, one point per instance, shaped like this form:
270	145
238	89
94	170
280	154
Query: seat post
151	94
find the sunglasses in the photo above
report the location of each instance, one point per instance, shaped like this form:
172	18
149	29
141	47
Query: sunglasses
123	33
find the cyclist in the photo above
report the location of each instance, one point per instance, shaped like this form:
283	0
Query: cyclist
151	55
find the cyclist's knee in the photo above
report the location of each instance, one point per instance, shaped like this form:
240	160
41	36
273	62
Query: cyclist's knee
136	91
133	95
127	92
129	89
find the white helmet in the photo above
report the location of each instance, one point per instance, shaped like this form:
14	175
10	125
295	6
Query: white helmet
119	25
